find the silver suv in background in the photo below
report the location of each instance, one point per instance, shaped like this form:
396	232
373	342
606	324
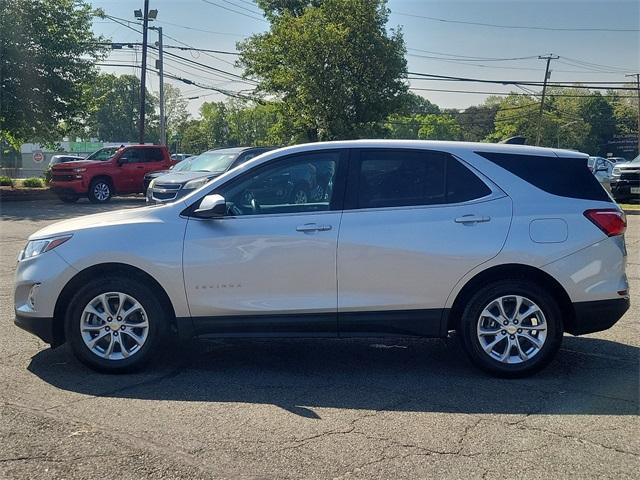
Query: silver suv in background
625	180
509	245
193	172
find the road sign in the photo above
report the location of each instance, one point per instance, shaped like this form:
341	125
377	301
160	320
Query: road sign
38	156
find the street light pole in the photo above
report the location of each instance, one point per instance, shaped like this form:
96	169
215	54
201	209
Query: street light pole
143	75
160	68
548	58
637	75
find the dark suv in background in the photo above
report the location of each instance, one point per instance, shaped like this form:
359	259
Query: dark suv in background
194	172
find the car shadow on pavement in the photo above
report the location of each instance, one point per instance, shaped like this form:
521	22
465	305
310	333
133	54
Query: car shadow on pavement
54	209
589	377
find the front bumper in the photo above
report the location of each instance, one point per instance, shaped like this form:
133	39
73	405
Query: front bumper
76	187
596	316
39	326
621	189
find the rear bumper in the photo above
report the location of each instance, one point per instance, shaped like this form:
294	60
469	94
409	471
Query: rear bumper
39	326
596	316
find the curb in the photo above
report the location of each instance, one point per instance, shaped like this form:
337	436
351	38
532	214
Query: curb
631	212
26	194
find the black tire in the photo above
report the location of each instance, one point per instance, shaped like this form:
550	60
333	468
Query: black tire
155	315
100	190
471	318
68	198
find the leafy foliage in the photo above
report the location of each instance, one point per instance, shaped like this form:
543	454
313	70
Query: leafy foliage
33	182
114	105
337	71
46	50
6	181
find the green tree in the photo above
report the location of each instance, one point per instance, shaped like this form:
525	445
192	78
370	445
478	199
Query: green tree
253	124
476	122
175	110
193	137
115	107
439	127
215	123
333	64
47	49
412	104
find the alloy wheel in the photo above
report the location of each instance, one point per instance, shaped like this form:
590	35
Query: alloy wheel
114	326
101	191
512	329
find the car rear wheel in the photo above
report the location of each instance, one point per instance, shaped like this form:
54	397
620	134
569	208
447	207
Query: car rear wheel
511	328
115	324
100	191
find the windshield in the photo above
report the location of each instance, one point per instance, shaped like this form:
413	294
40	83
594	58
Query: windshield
206	162
636	160
103	154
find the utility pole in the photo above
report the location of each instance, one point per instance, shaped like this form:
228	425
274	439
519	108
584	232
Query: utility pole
637	75
143	75
160	68
548	58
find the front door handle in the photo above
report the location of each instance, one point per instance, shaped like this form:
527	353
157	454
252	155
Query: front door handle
468	219
313	227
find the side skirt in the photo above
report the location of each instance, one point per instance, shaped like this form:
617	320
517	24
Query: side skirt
388	323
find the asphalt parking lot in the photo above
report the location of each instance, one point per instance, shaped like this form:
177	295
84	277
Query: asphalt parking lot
313	409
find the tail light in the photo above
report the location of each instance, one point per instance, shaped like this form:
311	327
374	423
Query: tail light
610	220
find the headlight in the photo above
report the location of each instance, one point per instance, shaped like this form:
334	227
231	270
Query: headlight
79	169
197	183
615	172
152	183
36	247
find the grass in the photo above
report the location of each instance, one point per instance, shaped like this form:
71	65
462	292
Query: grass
630	206
32	182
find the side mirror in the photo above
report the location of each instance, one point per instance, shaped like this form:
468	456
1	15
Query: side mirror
211	206
122	161
601	168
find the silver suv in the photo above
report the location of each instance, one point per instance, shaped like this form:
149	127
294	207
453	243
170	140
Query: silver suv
509	245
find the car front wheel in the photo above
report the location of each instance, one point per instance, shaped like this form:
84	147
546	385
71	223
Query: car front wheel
511	328
115	324
100	191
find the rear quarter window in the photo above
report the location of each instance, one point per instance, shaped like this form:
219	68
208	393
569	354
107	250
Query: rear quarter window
563	176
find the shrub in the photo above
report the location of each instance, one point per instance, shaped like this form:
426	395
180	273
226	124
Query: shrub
6	181
33	182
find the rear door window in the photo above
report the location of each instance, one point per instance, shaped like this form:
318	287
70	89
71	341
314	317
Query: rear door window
154	155
397	178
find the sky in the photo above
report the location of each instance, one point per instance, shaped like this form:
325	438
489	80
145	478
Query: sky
608	54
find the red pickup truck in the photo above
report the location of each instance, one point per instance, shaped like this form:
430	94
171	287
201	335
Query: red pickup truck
107	171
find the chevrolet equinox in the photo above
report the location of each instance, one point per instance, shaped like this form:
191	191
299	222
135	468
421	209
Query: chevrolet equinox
509	245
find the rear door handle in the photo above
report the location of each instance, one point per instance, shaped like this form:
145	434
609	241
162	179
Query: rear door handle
472	219
313	227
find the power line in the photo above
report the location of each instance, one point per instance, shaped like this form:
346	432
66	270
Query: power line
504	94
242	8
577	85
235	11
188	81
204	65
519	27
194	49
197	29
